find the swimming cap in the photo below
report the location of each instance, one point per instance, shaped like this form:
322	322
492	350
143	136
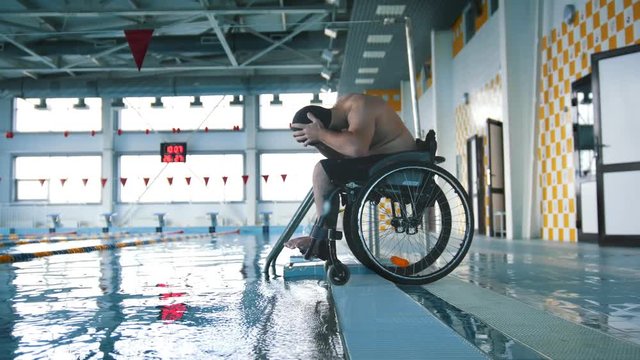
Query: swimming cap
321	113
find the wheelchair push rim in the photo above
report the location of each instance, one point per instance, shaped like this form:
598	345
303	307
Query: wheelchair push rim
414	223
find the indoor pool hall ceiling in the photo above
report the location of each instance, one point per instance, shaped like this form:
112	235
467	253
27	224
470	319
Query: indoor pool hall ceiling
313	42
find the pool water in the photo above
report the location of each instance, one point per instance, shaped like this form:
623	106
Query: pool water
195	299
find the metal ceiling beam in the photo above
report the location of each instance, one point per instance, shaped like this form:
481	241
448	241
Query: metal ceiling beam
223	40
34	54
27	6
295	32
97	56
173	12
184	67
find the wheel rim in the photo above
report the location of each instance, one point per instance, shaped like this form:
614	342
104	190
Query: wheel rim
423	222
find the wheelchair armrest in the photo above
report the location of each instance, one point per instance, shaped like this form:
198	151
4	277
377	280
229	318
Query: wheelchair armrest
406	156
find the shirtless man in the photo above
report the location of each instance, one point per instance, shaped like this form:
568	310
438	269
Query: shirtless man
356	133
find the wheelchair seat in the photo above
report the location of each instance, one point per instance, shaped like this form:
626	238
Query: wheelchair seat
406	156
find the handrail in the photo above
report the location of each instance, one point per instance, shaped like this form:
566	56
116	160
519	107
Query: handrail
288	231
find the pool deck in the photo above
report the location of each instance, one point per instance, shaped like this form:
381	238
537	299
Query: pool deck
508	299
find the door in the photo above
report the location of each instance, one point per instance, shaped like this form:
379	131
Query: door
616	85
495	179
584	155
475	180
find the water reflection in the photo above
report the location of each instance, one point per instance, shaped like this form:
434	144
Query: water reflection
584	283
193	299
491	341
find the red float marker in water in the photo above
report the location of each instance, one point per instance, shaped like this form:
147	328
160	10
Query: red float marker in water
161	285
171	295
172	312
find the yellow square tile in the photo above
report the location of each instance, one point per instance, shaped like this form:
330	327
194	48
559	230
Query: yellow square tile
603	3
555	220
628	35
557	120
590	41
564	28
597	49
619	22
565	190
626	3
545	222
555	64
613	43
558	148
563	131
577	48
583	30
554	167
611	10
553	137
544	42
572	68
572	235
596	20
565	57
636	11
589	8
561	235
547	124
554	35
566	220
570	38
564	162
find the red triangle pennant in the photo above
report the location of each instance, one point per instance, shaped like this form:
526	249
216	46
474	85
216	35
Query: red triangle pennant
265	177
146	181
42	182
245	178
123	181
188	180
62	181
170	180
84	181
284	177
103	181
206	180
138	44
224	179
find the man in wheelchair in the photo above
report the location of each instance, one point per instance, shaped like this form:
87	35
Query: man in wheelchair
355	134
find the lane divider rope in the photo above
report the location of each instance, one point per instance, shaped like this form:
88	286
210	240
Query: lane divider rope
11	258
26	241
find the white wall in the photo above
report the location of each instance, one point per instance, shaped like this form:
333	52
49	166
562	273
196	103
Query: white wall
553	12
441	48
478	62
427	111
110	146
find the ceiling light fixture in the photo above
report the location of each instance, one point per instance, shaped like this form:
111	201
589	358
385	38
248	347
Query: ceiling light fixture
196	103
158	103
361	81
81	105
368	70
374	54
326	74
325	88
117	103
332	33
237	101
328	54
390	10
42	105
379	39
316	99
276	100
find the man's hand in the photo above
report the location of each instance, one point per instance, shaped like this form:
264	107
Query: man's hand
309	134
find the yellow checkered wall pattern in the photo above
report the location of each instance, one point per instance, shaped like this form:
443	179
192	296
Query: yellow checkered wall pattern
471	119
600	25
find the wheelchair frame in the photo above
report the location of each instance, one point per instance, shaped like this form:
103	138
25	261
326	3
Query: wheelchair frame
338	272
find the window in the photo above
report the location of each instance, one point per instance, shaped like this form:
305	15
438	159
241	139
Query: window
57	115
277	112
58	179
199	179
470	23
298	168
215	113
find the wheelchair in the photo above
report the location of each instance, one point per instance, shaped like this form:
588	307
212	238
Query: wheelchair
411	222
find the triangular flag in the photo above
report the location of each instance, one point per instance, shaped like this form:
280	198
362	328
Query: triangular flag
265	177
84	181
224	179
42	182
206	180
245	178
123	181
170	180
188	179
138	44
62	181
146	181
103	181
284	177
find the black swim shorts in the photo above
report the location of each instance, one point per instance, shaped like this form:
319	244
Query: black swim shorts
343	171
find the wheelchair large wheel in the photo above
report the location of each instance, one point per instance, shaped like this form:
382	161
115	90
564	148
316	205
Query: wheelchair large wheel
411	223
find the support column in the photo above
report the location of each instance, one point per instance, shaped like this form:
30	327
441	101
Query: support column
251	113
445	126
518	53
108	159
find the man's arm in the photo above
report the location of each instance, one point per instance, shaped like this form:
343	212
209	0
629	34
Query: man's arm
328	152
355	140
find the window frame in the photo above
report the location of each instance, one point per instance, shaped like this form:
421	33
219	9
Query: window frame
14	117
259	154
118	175
259	113
14	188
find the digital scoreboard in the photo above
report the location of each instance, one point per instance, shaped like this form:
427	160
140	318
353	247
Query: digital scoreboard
173	152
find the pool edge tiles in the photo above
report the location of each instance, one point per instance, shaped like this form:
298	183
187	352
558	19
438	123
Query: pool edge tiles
377	320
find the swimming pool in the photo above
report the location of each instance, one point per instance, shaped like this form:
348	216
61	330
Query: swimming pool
195	299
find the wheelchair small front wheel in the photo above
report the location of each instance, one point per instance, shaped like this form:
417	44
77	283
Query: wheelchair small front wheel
411	223
338	273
